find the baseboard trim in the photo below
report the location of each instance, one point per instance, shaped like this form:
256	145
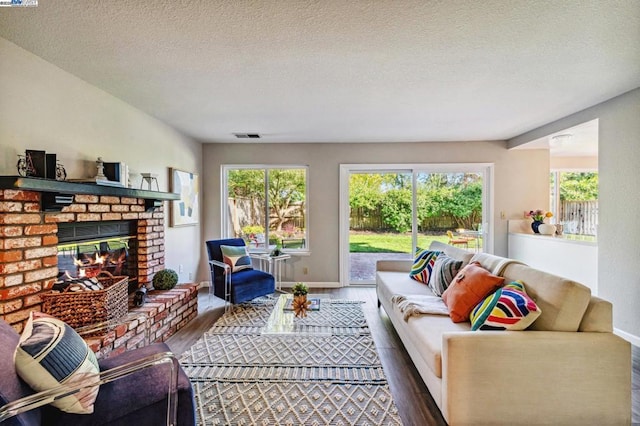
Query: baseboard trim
317	284
634	340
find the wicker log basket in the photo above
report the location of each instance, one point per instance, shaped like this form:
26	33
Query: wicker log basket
82	308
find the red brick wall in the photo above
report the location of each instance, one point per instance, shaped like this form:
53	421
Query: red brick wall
28	253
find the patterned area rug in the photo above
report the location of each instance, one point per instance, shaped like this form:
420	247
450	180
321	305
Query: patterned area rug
242	377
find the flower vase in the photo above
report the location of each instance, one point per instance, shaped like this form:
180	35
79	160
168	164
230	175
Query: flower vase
547	229
535	224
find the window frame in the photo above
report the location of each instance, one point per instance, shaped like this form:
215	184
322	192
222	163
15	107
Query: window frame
226	232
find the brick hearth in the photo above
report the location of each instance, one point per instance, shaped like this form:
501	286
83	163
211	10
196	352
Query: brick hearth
28	255
164	313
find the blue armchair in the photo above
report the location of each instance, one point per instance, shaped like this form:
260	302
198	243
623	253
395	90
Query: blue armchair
240	286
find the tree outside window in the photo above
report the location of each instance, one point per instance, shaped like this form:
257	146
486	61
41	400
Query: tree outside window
267	206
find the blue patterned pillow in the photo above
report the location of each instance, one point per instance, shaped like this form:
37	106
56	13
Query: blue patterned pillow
509	308
51	353
423	262
444	270
236	257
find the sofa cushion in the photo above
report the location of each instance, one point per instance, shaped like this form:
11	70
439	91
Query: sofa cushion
390	283
472	284
444	270
426	331
598	317
51	353
423	261
563	302
508	308
236	257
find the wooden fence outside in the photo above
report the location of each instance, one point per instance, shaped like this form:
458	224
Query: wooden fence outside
579	217
361	220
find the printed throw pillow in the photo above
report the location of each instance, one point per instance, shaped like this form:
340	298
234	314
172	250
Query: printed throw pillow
51	353
444	269
236	257
423	262
509	308
470	286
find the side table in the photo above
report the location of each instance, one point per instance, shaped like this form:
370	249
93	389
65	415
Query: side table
275	264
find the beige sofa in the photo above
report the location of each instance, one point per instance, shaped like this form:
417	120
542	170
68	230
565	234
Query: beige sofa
568	368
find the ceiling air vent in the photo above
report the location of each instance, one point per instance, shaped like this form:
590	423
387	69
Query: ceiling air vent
247	135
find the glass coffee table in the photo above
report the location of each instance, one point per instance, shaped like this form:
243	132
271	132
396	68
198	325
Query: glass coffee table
283	320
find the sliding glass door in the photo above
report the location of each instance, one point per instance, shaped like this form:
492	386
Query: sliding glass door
387	211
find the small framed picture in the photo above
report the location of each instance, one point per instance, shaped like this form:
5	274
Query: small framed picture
186	210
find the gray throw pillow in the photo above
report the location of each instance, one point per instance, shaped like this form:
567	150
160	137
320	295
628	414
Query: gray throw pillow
442	274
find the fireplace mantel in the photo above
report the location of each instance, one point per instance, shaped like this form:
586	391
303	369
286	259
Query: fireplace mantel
56	188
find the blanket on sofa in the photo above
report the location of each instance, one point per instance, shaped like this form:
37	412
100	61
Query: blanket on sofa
419	304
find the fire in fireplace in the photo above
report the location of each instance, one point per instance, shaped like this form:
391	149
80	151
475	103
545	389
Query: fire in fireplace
87	249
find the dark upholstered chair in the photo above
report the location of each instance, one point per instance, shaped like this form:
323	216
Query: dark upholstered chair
134	391
240	286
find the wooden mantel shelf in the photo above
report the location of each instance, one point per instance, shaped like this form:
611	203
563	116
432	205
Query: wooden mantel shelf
56	188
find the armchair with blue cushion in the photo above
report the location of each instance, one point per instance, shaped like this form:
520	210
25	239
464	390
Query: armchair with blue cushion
235	280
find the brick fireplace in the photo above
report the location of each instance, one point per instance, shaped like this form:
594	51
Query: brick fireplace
29	251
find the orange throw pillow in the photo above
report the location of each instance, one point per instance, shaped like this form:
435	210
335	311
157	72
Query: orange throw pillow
470	286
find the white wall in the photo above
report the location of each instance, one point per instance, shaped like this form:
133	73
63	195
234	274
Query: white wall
619	203
43	107
521	183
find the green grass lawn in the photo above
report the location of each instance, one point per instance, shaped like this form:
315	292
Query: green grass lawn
371	242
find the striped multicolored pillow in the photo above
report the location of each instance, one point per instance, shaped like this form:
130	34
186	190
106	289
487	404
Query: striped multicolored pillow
423	262
444	270
509	308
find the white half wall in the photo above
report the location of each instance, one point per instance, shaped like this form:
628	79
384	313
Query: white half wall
44	107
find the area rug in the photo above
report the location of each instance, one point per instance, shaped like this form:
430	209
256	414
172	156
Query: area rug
242	377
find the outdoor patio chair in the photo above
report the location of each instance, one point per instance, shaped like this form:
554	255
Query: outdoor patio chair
234	279
457	241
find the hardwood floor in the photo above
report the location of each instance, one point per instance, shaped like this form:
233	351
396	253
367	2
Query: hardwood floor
414	402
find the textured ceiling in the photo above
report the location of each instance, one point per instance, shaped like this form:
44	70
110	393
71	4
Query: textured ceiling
343	71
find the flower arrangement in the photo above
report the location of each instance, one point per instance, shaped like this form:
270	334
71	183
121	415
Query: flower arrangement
300	303
538	215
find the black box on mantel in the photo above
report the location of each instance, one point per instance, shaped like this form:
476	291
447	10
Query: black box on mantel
50	166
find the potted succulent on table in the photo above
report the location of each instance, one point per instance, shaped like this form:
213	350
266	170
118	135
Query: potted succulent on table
300	303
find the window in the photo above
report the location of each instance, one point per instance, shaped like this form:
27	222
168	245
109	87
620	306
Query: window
266	206
574	201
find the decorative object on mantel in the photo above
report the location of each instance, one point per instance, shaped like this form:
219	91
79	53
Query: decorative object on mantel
538	217
117	172
186	210
40	164
100	178
149	178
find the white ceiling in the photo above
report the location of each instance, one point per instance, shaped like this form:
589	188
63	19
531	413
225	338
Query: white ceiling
339	70
576	141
